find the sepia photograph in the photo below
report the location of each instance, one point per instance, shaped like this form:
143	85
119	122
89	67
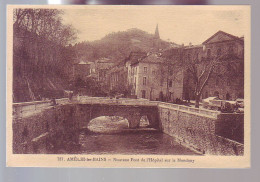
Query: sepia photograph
128	86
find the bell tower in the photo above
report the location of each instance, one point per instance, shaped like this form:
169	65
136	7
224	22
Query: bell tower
156	39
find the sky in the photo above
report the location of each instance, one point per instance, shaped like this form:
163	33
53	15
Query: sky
178	24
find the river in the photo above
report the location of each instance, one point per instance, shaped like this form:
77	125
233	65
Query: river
108	135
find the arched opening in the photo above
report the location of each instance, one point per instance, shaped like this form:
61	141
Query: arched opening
108	124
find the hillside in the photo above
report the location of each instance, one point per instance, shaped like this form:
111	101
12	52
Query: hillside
118	45
42	68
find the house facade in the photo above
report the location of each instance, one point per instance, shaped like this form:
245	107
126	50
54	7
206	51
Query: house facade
227	78
117	79
163	74
81	70
153	78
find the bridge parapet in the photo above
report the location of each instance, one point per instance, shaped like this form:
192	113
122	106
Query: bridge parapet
144	102
113	101
205	130
25	109
191	110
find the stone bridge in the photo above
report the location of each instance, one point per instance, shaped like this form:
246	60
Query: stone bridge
87	112
206	131
87	108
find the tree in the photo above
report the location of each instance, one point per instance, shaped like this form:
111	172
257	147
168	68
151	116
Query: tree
201	69
40	44
171	66
46	23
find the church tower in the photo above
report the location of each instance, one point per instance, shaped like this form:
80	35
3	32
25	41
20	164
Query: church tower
156	39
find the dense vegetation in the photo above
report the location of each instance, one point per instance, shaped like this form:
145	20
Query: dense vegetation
43	56
117	46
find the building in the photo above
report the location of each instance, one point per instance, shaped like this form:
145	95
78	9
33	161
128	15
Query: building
156	39
81	70
227	78
117	79
152	77
101	66
166	75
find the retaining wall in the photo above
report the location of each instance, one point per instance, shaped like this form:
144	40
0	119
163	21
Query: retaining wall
45	131
40	127
204	133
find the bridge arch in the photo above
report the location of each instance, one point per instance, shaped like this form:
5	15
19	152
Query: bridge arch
108	124
86	112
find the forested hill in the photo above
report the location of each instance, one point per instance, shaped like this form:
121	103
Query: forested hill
43	55
118	45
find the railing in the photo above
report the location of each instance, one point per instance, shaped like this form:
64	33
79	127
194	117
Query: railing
28	108
199	111
143	102
113	101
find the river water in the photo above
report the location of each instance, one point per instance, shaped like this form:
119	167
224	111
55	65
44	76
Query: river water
112	136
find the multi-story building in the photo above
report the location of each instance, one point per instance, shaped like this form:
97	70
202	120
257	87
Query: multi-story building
227	78
81	70
117	79
153	77
164	74
101	66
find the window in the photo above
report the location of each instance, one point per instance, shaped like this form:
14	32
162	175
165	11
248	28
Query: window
171	96
161	96
144	80
197	56
219	52
143	93
153	72
189	57
145	69
161	82
170	83
231	49
208	53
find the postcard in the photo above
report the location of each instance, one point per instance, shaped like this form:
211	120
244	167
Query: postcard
128	86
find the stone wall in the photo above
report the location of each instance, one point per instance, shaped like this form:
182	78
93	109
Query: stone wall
231	126
45	131
202	132
51	128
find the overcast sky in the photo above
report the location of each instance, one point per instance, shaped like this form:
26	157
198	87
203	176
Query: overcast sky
177	24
